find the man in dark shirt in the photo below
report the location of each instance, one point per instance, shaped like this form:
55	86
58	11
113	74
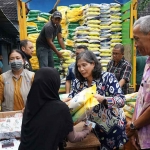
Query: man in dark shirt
120	67
27	48
44	43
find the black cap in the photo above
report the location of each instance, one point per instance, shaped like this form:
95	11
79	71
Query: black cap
57	14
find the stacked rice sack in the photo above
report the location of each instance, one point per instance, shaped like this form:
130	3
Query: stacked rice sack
70	42
81	105
64	21
116	26
105	40
91	20
130	104
34	60
71	33
81	36
32	17
74	16
35	22
65	62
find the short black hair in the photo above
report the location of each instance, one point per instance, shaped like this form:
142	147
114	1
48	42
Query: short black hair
23	43
18	51
82	47
89	57
119	46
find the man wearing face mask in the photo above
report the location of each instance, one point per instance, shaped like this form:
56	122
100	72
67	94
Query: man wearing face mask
44	43
1	64
27	49
15	84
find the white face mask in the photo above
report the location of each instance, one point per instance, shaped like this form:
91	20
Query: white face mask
16	65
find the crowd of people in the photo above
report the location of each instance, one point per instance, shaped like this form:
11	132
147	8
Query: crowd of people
37	93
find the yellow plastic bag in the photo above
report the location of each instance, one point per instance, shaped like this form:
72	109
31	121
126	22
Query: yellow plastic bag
85	111
81	98
82	104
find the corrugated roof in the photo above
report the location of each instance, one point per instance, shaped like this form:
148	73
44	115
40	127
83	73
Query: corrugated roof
9	7
7	25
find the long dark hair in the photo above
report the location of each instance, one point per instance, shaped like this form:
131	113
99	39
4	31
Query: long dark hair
89	57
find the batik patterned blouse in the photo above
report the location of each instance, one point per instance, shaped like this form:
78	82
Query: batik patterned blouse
110	123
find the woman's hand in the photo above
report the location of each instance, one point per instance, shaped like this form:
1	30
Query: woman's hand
87	127
66	99
99	98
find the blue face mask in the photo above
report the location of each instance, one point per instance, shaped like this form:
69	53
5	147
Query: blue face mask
16	65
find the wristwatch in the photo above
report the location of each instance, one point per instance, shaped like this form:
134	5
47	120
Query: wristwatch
132	127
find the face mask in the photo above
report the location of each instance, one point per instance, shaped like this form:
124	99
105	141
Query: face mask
16	65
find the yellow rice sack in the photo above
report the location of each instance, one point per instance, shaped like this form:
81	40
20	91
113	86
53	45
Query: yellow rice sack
81	98
85	111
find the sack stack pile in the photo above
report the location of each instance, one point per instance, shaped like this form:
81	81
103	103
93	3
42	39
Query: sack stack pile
130	104
81	36
91	20
74	16
34	60
65	62
64	21
105	52
116	25
98	26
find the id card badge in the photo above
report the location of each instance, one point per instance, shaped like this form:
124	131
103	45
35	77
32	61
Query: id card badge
88	123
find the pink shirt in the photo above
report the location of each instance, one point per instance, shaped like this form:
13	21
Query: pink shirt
142	103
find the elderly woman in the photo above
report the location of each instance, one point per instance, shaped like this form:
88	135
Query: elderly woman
108	114
15	83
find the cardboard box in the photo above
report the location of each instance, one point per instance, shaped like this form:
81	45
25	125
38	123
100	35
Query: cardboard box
8	130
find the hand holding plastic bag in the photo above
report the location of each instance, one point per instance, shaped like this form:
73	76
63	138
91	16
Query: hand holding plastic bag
81	98
82	104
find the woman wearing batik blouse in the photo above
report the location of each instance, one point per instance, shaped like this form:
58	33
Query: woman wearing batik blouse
108	114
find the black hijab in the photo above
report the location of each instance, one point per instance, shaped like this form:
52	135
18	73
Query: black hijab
46	120
44	88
